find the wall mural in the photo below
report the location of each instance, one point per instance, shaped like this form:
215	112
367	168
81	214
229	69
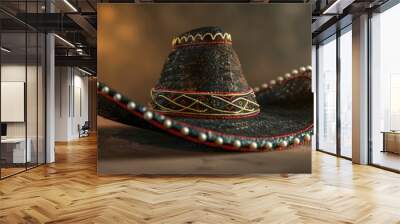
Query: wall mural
207	101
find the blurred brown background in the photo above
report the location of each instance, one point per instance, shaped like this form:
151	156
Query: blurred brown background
134	40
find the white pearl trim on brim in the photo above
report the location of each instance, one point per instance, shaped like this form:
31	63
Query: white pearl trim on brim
236	143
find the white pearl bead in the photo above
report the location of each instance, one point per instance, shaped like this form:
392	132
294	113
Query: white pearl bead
105	89
296	141
295	72
272	82
302	69
98	84
264	85
131	105
167	123
148	115
307	137
162	117
253	145
117	97
237	144
280	79
219	141
283	143
144	109
202	137
288	75
185	130
268	145
256	89
309	68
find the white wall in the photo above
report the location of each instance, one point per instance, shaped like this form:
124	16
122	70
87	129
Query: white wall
62	81
71	103
80	111
17	73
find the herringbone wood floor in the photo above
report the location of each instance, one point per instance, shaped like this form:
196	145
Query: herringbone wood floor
69	191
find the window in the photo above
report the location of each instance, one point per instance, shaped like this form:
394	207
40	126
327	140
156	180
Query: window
385	89
334	106
346	92
327	95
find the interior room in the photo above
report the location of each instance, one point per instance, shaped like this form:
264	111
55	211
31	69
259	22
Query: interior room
24	90
52	100
22	101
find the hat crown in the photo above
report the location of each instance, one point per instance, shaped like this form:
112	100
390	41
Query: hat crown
203	64
203	77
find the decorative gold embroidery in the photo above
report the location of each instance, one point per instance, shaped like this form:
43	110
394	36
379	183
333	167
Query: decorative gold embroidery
198	36
205	104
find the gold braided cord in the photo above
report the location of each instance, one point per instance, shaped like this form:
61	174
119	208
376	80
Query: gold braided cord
191	38
249	106
242	108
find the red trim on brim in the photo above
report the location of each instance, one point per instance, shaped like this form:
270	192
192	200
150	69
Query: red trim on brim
203	43
248	91
199	116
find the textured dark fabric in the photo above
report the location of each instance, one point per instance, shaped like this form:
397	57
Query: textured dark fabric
205	67
292	94
274	120
285	109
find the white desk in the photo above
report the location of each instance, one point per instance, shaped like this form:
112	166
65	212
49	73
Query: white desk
18	149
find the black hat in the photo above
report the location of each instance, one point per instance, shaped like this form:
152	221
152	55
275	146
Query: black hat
203	96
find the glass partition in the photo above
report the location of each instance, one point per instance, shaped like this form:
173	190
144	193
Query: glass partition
31	100
327	95
22	101
14	153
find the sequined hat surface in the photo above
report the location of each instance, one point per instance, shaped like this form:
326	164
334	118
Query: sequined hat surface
203	96
203	77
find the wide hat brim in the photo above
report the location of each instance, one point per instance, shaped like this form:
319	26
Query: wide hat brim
285	118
